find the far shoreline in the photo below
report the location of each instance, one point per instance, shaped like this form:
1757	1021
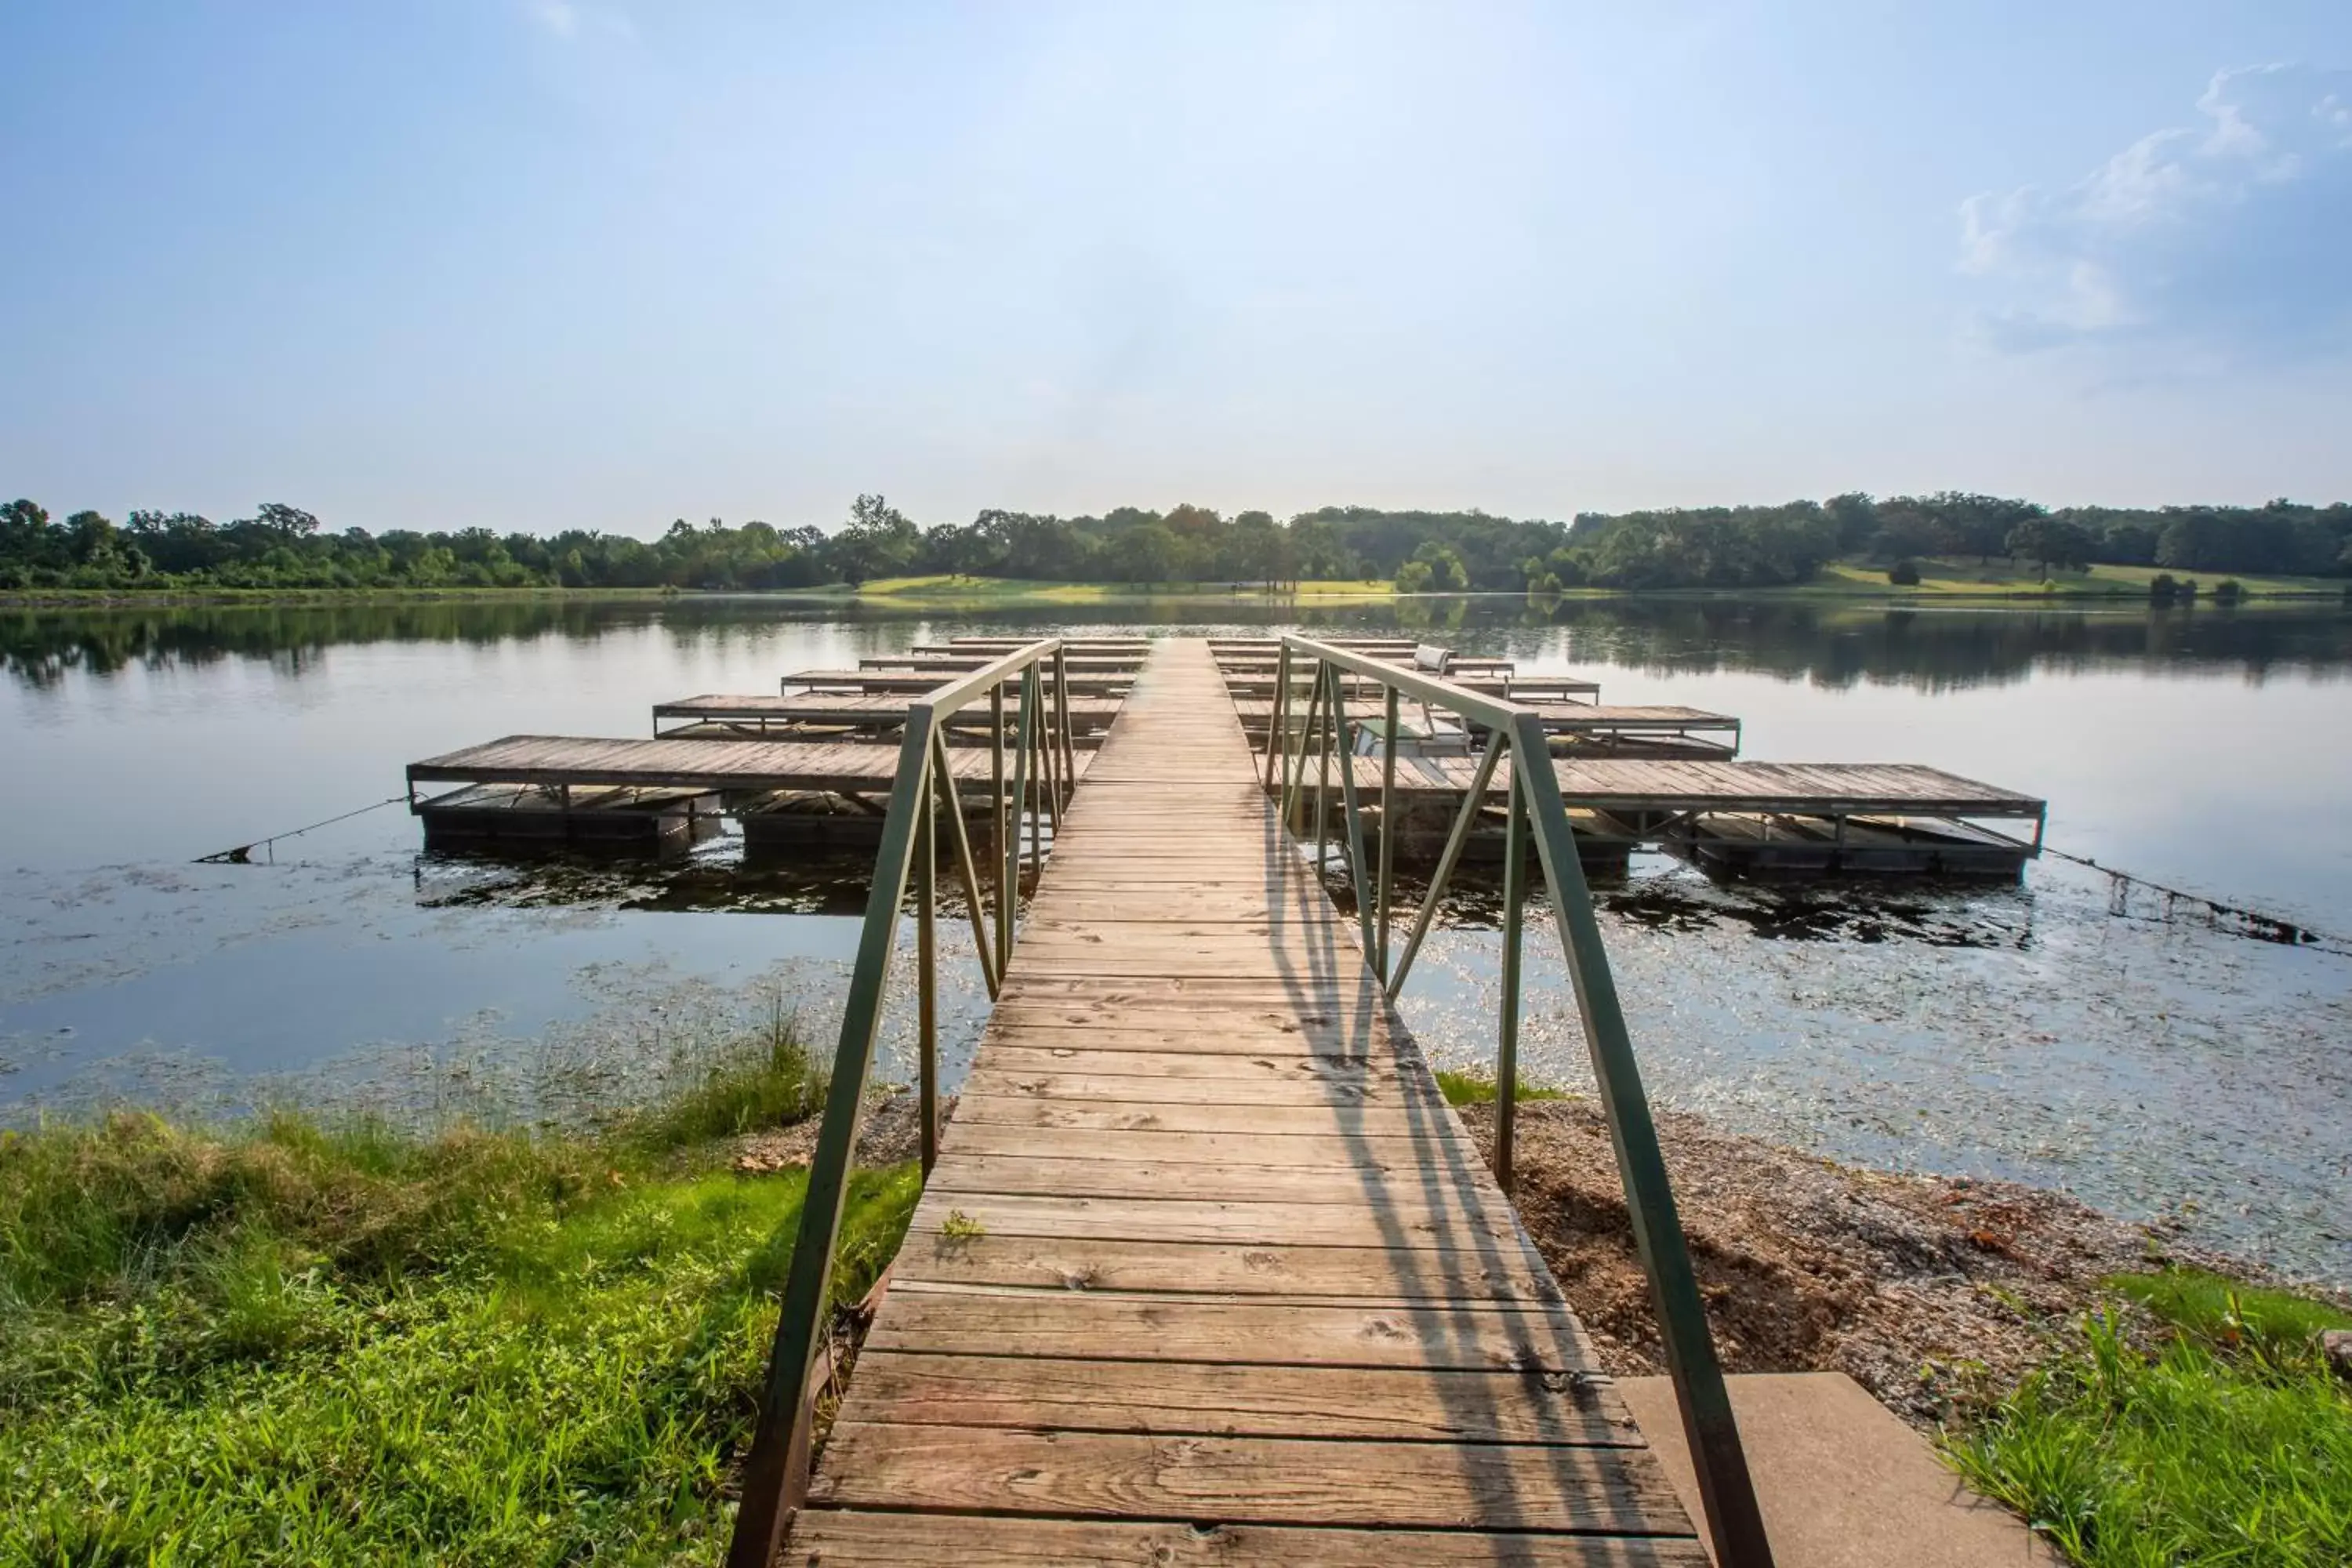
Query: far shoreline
978	594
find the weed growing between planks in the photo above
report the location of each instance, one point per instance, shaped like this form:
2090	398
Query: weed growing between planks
303	1342
2231	1444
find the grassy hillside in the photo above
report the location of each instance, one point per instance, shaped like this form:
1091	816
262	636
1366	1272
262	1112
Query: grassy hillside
1947	578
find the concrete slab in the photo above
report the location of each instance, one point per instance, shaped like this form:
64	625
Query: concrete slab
1842	1482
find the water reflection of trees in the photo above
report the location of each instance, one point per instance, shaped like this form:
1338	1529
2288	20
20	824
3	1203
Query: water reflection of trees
1936	650
1829	645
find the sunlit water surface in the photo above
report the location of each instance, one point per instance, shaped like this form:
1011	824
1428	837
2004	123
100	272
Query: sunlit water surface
2155	1067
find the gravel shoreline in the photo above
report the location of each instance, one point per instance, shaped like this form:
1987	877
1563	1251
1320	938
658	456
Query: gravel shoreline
1932	1292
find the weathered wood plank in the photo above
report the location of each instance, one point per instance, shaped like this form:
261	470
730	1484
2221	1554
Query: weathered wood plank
1397	1187
1496	1274
1258	1120
989	1079
1411	1404
1297	1480
1462	1336
857	1540
1330	1151
1476	1229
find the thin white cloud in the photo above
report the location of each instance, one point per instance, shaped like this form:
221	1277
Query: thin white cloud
569	19
2230	232
557	16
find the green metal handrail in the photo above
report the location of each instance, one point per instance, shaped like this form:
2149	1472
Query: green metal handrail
1534	808
775	1467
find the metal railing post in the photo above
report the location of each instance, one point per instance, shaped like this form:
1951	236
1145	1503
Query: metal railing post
1294	769
775	1466
1352	809
1059	737
1726	1492
1327	686
997	844
983	938
1506	1053
1462	822
1275	746
1022	751
1388	829
927	957
1069	752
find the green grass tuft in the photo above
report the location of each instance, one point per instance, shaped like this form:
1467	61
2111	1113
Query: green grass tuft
2278	1325
295	1342
764	1080
1469	1089
2231	1445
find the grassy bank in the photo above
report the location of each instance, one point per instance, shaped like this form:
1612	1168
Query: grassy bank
2229	1441
297	1343
1970	578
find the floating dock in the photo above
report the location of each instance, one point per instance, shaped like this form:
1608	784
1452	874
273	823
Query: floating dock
1577	727
1207	1271
1540	687
1003	645
532	818
961	663
785	794
838	715
809	767
1742	817
913	683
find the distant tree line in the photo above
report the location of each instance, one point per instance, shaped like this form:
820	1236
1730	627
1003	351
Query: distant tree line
283	546
1757	546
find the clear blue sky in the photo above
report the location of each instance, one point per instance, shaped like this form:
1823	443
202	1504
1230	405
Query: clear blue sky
537	264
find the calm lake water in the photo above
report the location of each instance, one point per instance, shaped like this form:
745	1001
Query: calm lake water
2155	1067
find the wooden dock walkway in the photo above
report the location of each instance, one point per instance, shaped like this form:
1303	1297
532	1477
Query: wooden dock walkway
1207	1271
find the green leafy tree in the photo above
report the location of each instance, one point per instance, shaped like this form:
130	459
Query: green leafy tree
1434	568
878	542
1147	553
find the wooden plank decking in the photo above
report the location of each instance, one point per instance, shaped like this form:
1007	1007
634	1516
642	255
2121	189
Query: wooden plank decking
1207	1271
1827	789
740	764
916	681
734	716
1558	717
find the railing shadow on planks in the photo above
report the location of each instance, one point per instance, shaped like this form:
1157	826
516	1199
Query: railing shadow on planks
775	1469
1534	809
1041	768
